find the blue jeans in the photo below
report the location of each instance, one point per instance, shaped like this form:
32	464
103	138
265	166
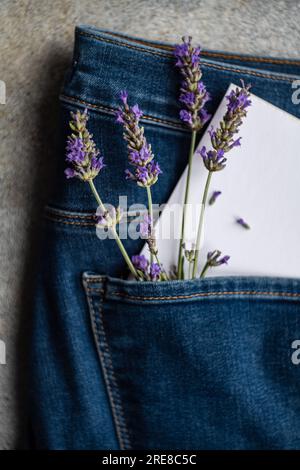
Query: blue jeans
201	364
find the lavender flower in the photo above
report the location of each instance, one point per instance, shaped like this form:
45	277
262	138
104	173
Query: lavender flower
242	222
213	258
109	218
145	168
149	271
140	263
155	272
193	94
145	226
222	138
214	197
81	151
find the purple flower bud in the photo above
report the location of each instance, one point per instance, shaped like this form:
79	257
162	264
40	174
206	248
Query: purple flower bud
140	155
193	92
213	159
140	263
155	271
124	96
145	226
214	197
238	100
224	260
97	163
186	116
205	116
137	112
213	258
81	150
75	150
236	143
222	138
187	98
70	173
242	222
119	116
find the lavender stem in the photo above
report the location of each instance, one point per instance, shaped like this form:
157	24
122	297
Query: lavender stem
150	212
190	270
115	234
204	270
186	198
201	221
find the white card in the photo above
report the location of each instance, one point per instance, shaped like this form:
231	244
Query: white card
260	184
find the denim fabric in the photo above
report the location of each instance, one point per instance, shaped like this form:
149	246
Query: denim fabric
115	364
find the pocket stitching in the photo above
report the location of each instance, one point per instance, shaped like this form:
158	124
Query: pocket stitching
107	366
207	294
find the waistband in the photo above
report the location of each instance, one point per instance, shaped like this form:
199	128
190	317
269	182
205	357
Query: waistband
105	62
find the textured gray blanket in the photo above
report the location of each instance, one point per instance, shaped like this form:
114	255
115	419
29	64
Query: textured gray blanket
36	43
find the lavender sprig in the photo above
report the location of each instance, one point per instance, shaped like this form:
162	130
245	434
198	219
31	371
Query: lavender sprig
223	139
193	93
83	154
140	156
214	259
194	96
147	271
81	151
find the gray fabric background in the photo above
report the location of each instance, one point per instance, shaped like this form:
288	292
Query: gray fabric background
36	45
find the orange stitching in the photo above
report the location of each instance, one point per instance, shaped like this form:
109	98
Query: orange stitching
119	43
94	290
57	213
252	58
205	294
112	110
249	72
168	47
68	222
115	401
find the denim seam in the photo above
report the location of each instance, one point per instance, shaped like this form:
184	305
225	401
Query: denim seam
113	110
207	294
62	214
108	370
170	55
60	218
250	58
69	222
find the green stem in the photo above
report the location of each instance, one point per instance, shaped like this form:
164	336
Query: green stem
150	212
201	221
186	198
203	272
190	269
163	272
114	232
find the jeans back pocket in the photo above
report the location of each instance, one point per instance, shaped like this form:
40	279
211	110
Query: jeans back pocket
202	364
